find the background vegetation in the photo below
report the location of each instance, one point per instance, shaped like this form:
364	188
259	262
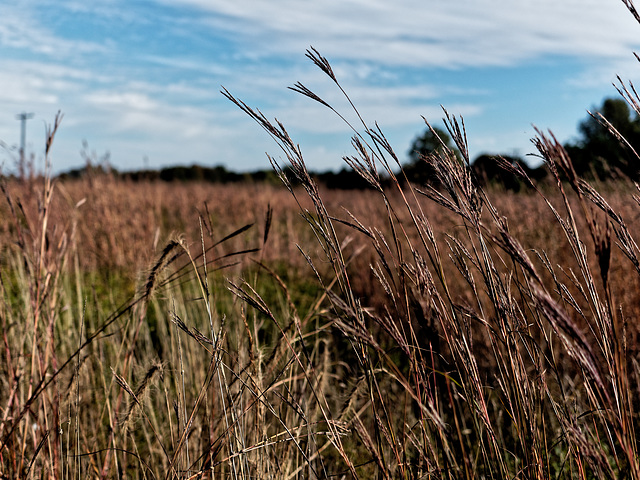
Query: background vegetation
597	154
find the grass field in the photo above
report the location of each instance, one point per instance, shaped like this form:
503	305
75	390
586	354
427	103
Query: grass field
154	330
410	342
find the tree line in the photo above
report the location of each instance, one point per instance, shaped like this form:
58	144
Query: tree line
604	150
598	154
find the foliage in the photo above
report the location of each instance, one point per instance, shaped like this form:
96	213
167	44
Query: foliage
345	179
418	169
607	143
491	170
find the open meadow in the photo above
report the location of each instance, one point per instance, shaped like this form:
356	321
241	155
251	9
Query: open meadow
192	330
291	331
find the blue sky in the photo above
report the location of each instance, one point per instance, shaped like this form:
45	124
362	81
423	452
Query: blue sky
142	79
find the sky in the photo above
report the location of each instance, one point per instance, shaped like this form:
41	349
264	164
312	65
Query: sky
141	80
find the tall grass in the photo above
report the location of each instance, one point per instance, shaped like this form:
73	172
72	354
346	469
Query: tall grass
175	378
412	332
532	378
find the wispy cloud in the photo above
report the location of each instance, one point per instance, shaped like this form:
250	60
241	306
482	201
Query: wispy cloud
21	28
436	34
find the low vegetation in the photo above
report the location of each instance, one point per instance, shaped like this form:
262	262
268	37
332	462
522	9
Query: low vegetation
446	330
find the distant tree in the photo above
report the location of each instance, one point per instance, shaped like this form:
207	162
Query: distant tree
418	170
262	176
345	179
488	171
598	153
198	173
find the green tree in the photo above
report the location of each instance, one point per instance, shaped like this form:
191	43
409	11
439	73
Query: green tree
598	153
488	171
418	169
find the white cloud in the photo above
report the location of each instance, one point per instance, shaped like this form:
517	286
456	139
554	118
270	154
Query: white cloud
434	33
121	100
598	74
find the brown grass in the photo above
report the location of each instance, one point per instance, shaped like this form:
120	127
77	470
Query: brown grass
401	332
138	221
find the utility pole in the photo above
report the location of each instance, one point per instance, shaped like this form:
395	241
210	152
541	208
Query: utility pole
23	117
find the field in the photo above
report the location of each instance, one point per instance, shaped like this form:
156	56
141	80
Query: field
192	330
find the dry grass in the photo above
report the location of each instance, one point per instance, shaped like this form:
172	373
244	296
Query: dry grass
528	372
389	367
402	332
